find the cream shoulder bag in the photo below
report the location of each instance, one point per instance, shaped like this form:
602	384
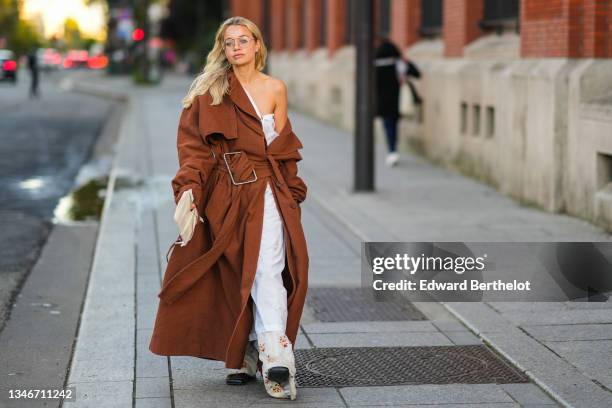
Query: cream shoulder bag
186	217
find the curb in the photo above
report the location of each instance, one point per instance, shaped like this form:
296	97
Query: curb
68	84
554	395
89	369
100	92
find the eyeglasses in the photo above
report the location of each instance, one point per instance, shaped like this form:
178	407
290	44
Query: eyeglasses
243	41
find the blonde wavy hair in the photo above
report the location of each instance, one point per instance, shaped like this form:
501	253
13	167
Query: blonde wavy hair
213	77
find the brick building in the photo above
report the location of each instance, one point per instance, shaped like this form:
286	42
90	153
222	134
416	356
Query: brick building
521	90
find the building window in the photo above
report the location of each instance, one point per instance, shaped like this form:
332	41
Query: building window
384	17
431	18
476	119
288	35
303	22
464	117
604	170
490	121
266	21
349	35
323	24
500	15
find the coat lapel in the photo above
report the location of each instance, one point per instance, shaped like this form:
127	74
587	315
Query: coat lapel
217	118
223	118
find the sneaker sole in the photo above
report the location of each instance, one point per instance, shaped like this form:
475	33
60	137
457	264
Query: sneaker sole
238	379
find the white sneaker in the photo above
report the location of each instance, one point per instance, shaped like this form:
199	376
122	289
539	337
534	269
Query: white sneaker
392	159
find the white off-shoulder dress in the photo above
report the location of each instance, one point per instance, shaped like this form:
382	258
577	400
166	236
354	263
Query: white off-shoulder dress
268	291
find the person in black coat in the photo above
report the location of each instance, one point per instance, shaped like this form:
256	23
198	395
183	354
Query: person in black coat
391	70
33	67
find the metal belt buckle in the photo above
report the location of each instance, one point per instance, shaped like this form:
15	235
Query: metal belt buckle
230	170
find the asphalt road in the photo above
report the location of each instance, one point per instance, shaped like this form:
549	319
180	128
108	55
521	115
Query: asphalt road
43	144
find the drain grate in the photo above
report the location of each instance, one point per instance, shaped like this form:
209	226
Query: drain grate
377	366
351	304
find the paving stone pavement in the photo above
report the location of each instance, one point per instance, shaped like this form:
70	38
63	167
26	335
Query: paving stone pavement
559	345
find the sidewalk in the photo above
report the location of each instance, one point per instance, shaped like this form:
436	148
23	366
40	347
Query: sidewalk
559	345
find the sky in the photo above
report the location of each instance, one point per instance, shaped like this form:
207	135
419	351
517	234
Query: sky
54	12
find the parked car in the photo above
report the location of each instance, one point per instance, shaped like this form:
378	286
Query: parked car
97	61
8	66
49	58
76	59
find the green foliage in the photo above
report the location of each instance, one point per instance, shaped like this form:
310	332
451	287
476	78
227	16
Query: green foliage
20	34
9	17
141	74
192	26
72	34
24	38
88	42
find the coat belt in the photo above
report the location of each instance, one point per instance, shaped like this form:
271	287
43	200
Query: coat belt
182	281
266	167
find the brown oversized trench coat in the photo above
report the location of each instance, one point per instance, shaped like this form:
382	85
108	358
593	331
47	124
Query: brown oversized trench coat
205	308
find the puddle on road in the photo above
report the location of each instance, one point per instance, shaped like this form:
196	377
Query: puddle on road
85	203
32	183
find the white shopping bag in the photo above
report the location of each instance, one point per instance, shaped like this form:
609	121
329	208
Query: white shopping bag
186	217
406	103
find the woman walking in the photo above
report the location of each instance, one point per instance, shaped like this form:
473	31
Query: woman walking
390	71
235	284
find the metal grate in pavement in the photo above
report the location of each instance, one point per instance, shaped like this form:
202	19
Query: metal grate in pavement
378	366
351	304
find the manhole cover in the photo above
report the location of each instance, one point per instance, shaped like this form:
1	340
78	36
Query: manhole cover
352	304
373	366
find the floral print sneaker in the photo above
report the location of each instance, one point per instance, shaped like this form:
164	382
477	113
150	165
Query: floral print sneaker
278	364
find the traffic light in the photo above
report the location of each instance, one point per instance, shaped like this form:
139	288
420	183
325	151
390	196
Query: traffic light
138	34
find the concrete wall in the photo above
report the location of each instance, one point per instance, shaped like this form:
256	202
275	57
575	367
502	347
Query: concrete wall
588	179
317	84
543	134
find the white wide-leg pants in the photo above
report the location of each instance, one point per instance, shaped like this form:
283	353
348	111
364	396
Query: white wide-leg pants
268	292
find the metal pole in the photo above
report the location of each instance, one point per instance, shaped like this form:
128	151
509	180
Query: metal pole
364	115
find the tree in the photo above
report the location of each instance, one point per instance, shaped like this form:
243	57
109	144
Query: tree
19	35
72	33
9	17
25	38
192	26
